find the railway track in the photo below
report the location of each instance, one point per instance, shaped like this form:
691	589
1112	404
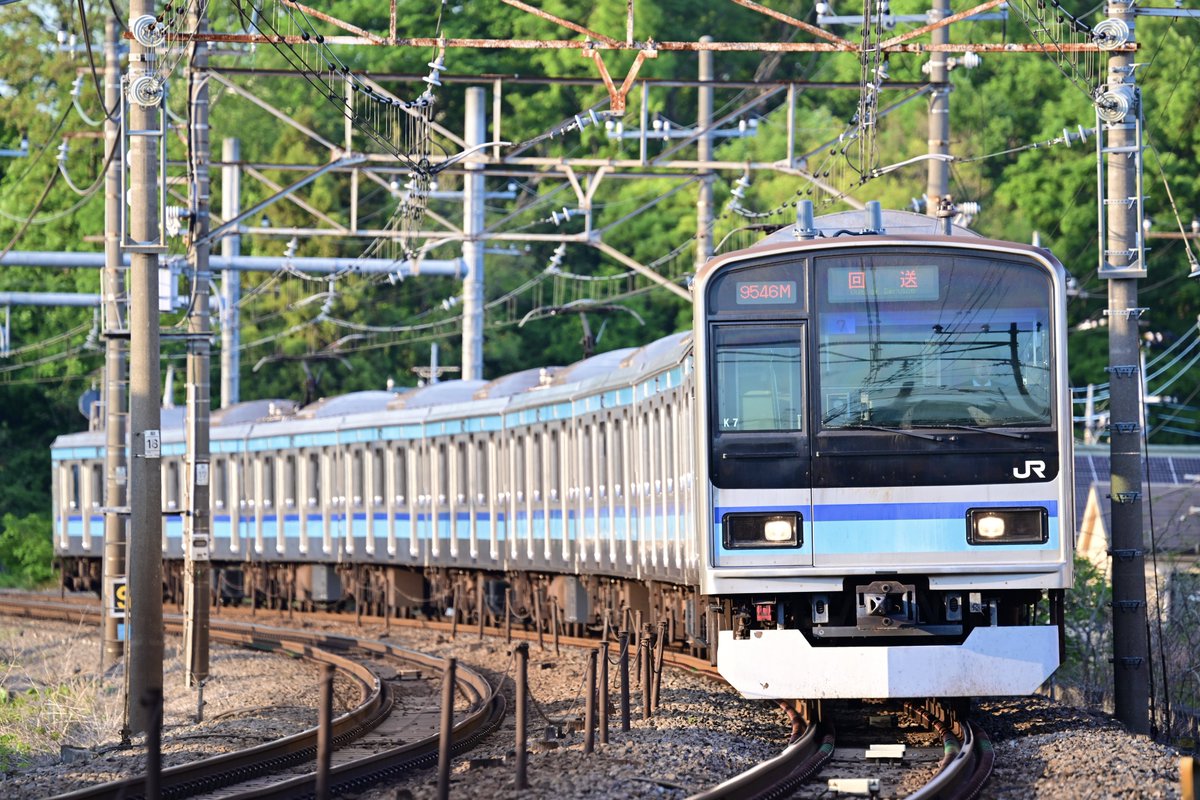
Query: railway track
393	728
926	753
822	762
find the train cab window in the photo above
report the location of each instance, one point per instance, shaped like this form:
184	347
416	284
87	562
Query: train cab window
758	378
933	340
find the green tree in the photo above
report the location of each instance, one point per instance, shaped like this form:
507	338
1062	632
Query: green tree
26	550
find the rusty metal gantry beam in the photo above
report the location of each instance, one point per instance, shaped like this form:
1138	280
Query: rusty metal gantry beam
595	43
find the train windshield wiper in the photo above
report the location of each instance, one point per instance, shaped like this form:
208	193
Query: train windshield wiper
994	431
906	431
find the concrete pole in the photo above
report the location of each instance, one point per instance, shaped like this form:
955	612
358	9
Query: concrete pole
1131	665
938	174
113	300
704	202
197	524
144	673
231	287
473	224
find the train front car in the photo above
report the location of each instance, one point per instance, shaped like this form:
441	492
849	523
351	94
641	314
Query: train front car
889	507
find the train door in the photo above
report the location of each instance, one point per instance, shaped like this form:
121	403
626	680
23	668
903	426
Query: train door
759	459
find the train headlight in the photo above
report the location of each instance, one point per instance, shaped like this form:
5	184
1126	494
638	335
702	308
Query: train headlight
761	530
1007	526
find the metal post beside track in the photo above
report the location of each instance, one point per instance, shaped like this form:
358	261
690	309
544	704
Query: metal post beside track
508	614
152	701
647	679
324	732
604	692
447	727
589	714
623	643
522	651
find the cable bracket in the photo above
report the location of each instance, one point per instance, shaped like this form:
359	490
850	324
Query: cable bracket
1126	554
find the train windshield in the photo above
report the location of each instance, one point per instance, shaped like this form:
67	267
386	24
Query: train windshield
759	377
933	341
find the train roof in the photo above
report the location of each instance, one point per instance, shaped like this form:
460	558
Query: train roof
365	402
438	394
443	400
252	411
854	229
518	382
895	223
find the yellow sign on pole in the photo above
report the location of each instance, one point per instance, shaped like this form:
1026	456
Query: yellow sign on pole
120	598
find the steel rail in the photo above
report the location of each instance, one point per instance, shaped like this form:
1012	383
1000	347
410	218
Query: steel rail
486	711
779	776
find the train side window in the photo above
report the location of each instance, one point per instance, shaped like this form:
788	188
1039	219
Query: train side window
220	483
289	481
97	485
443	473
480	489
554	466
356	478
314	480
378	476
758	378
617	459
519	467
400	475
268	482
71	484
171	481
537	464
462	472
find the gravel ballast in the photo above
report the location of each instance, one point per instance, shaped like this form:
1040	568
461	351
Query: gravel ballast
60	726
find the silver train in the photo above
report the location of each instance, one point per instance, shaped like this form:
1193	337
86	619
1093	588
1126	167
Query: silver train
851	478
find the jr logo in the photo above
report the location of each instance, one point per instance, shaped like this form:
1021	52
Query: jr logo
1031	468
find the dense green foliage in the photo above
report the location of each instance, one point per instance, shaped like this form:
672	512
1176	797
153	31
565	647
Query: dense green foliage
1008	102
26	550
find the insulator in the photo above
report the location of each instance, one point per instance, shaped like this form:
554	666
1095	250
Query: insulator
146	30
1115	104
146	90
1111	33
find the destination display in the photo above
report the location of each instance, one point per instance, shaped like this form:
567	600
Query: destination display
909	282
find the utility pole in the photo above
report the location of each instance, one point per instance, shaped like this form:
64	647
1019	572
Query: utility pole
113	299
473	229
197	523
231	287
704	145
144	130
937	189
1122	263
